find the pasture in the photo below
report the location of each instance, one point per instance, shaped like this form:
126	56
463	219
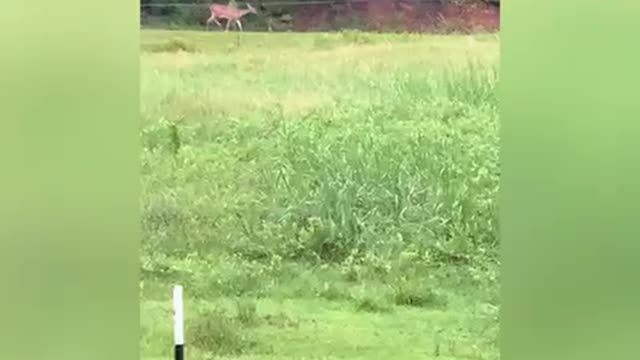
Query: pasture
320	196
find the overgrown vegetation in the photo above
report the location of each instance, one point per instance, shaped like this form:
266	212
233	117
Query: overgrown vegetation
306	195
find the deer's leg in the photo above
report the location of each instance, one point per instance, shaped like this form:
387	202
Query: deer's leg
217	23
227	27
239	24
213	19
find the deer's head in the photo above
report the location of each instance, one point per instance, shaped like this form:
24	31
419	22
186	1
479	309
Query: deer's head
251	9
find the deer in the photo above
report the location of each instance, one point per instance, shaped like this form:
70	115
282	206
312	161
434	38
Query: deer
278	16
230	13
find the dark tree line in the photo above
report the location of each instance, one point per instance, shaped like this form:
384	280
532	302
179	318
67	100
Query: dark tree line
272	13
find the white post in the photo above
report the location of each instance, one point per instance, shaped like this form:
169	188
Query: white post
178	322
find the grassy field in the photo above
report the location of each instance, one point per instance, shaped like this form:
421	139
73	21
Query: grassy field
320	196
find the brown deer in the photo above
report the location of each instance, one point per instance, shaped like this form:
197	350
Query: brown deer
230	13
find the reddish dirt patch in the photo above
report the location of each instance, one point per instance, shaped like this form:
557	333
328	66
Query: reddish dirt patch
398	15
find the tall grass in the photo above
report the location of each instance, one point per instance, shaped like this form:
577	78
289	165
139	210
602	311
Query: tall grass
412	165
349	168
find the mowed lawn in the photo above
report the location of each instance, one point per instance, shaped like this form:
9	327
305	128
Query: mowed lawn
320	196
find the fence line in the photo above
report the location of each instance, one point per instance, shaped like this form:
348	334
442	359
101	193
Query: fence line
275	3
192	13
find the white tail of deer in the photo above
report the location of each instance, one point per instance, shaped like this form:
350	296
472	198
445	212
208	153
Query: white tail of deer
230	13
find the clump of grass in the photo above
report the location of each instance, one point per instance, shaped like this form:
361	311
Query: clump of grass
247	312
417	294
323	42
358	267
233	278
218	333
472	83
174	135
334	291
281	320
356	37
485	36
172	45
373	303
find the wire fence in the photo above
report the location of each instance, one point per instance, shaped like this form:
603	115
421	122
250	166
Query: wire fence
279	3
330	15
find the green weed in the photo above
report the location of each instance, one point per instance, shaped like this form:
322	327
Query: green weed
172	45
218	333
373	301
417	293
356	37
247	312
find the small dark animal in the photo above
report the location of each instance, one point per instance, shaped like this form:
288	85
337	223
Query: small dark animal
278	17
